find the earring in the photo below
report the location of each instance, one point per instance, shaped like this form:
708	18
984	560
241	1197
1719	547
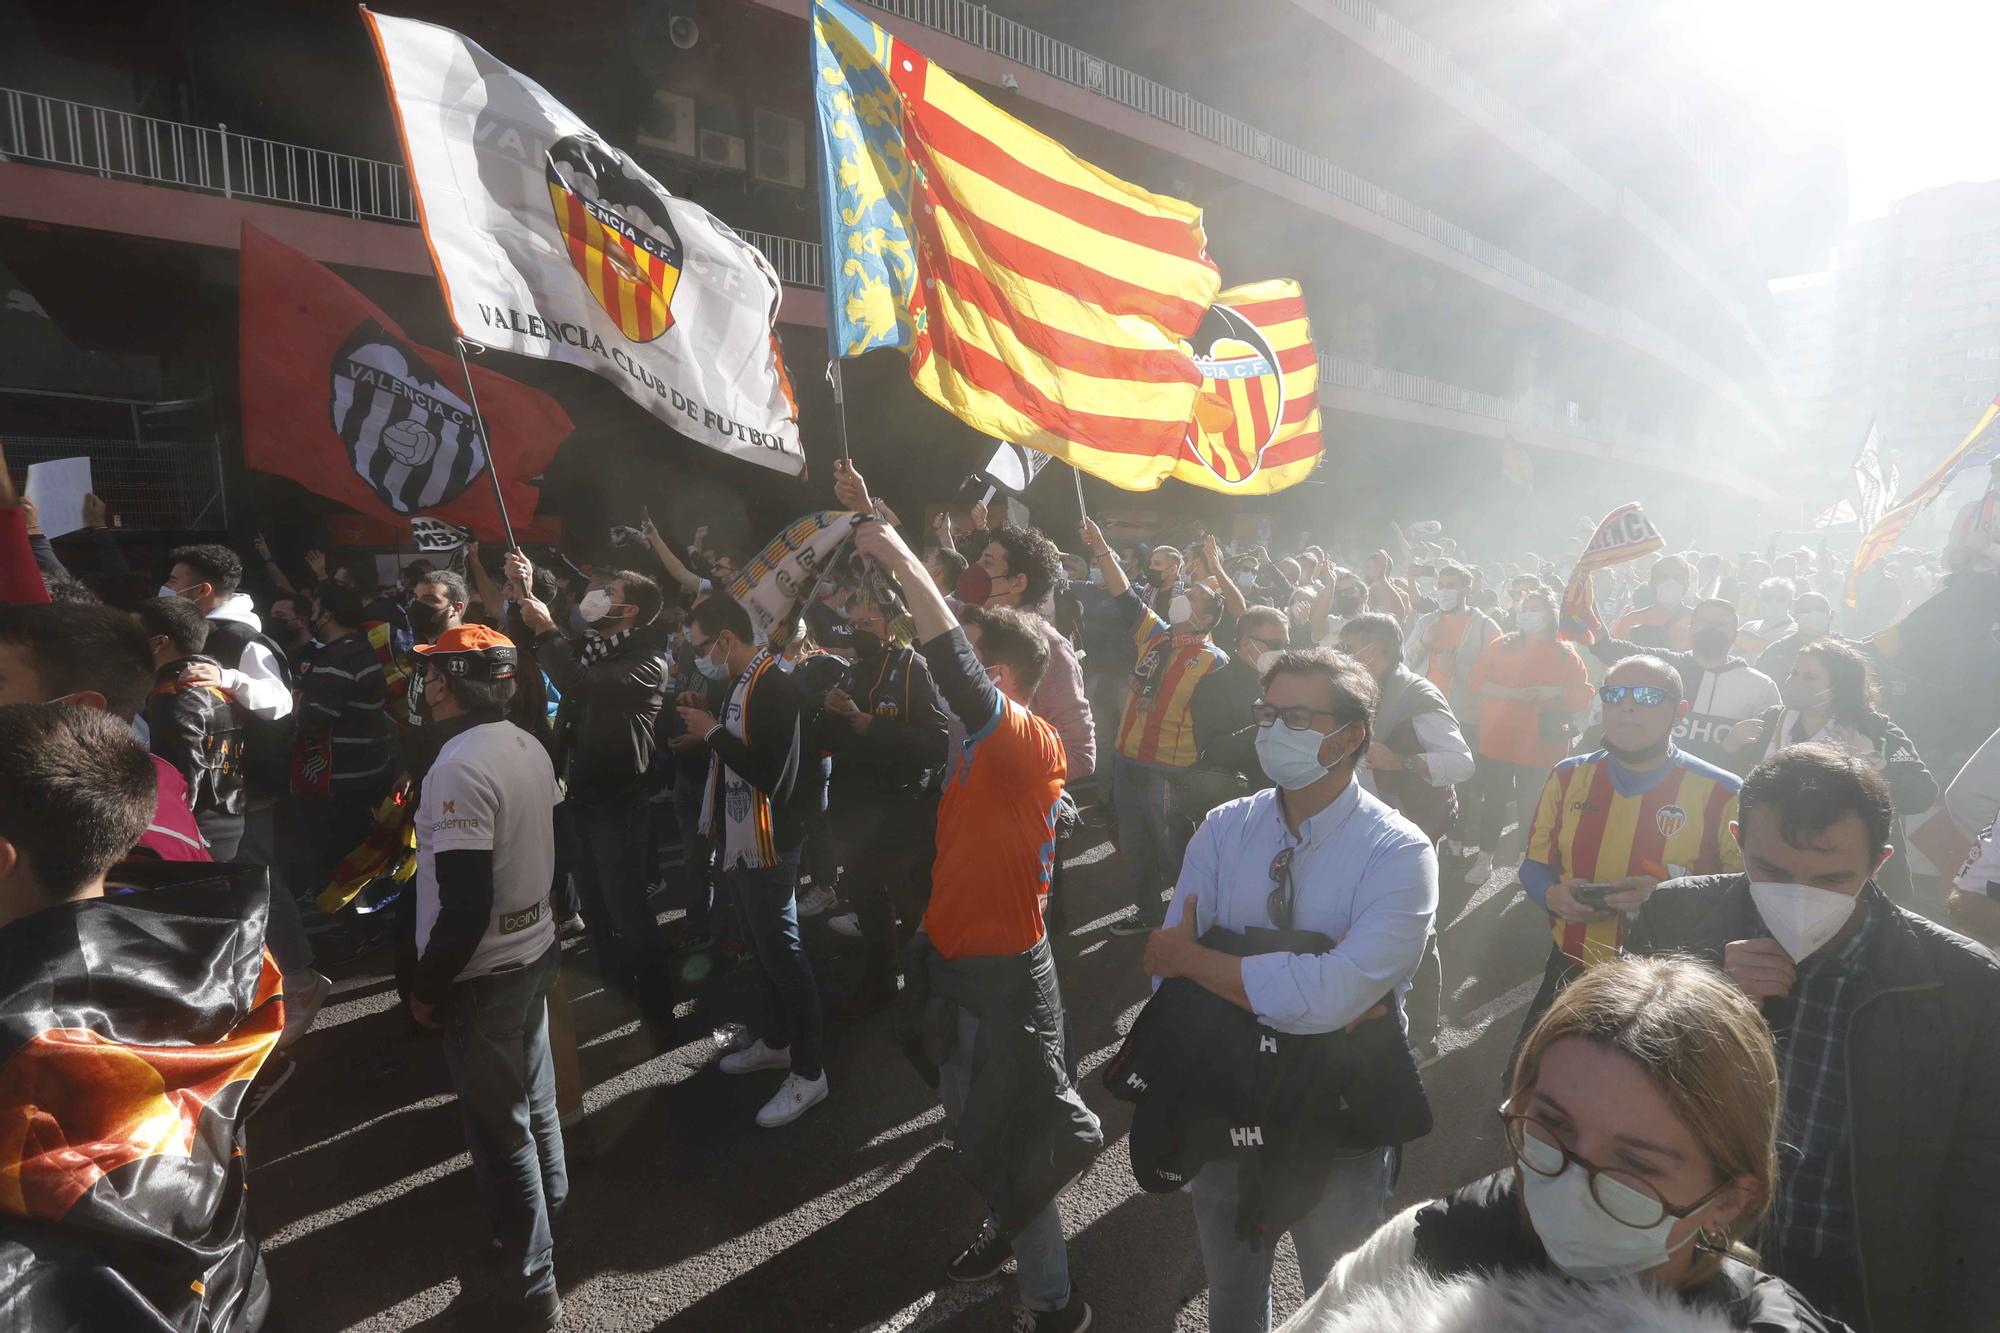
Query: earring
1711	1242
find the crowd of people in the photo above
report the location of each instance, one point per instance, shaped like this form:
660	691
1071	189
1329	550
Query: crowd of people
1758	1076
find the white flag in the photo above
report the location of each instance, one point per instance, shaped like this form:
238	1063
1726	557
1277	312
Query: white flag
1836	515
1877	490
552	243
1012	466
779	578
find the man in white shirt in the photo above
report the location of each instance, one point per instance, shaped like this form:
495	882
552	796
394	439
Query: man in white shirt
487	953
1323	855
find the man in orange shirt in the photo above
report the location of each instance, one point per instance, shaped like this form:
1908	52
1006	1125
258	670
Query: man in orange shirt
1156	737
990	1024
1664	622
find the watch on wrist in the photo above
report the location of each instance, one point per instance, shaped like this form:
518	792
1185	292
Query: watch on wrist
1411	762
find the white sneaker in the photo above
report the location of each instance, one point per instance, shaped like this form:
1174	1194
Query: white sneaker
816	901
847	923
1480	870
754	1057
795	1096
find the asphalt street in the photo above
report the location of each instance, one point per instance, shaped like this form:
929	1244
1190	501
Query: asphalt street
689	1217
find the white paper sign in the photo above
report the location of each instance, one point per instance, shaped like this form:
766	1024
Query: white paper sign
57	488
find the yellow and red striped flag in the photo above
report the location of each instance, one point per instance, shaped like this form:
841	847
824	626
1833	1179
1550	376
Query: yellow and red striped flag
1041	299
1256	420
1889	530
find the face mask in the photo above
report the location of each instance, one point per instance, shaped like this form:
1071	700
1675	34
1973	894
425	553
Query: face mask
1291	758
1803	698
1669	593
166	591
1801	917
1710	641
1448	599
1347	603
867	644
1157	577
1775	610
1533	622
1097	576
594	606
428	621
1180	610
1266	660
1815	622
974	586
1582	1239
710	668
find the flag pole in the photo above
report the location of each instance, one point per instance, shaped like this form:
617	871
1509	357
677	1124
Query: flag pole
839	406
1076	475
492	463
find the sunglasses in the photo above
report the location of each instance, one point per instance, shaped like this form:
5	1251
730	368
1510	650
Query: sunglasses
1279	903
1646	696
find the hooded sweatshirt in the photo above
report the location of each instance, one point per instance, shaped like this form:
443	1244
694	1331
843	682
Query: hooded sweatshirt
257	675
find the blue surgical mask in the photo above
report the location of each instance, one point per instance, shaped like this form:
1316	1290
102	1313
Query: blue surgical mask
1291	758
710	668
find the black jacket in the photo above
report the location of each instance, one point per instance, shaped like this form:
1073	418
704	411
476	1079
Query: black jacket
1212	1083
1023	1132
1482	1228
199	730
604	725
770	757
1923	1127
905	742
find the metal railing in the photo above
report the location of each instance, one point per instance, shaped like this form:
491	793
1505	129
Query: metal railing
976	25
128	146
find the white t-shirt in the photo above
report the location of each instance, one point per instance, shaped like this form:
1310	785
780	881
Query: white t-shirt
493	789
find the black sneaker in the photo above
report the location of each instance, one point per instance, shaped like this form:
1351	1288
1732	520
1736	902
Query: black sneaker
1137	923
1072	1318
982	1259
270	1078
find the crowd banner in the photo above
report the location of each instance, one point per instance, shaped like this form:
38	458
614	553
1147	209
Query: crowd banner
1972	451
1624	535
778	580
337	397
1256	420
551	243
1039	298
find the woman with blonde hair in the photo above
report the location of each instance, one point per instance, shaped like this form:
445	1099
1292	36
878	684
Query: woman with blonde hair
1642	1121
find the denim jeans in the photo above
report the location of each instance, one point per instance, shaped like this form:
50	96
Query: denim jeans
1152	832
496	1044
767	899
1041	1257
1239	1275
608	849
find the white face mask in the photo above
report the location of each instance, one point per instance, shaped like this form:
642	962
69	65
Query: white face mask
1267	659
594	606
1801	917
1815	622
1291	758
1533	622
1670	593
1447	599
1582	1239
1180	610
168	591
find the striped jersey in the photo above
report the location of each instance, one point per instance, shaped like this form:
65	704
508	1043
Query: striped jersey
1157	726
1591	831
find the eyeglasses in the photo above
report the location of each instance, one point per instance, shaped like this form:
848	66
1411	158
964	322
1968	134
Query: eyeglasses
1279	903
1646	696
1624	1197
1299	718
1266	644
700	649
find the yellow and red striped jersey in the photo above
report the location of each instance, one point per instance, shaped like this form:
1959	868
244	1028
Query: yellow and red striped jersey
1158	723
1590	831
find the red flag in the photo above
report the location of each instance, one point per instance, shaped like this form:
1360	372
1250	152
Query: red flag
337	398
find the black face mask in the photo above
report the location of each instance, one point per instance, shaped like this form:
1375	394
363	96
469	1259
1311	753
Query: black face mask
868	645
428	621
1157	577
1710	641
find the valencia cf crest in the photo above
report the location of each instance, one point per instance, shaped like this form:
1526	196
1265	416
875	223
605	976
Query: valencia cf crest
409	436
1242	398
618	232
1671	820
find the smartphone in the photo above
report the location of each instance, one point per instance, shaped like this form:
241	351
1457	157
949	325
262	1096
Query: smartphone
1592	895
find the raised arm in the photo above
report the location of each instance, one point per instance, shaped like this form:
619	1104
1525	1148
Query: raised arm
1232	596
279	579
676	568
1099	551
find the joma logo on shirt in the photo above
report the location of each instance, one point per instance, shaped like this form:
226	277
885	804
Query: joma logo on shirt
449	807
1587	807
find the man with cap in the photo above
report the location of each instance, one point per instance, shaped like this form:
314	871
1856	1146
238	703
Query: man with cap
487	952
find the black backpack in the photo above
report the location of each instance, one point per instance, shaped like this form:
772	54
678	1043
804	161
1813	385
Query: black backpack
267	743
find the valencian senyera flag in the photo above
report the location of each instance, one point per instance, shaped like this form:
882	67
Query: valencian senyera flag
1040	299
1256	419
1624	535
131	1027
552	243
1976	448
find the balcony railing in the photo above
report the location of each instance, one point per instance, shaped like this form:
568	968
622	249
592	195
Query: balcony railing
125	145
976	25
